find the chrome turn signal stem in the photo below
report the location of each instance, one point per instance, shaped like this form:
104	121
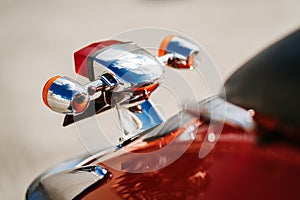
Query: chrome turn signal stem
104	82
67	96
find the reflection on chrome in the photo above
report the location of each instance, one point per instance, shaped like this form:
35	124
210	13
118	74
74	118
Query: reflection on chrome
178	52
71	183
66	95
218	110
211	137
134	123
130	64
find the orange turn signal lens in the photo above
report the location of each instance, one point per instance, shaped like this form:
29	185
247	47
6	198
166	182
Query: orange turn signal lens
46	89
164	44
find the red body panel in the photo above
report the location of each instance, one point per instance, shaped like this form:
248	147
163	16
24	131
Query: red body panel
236	168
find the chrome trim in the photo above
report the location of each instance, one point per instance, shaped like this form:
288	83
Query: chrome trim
218	110
132	65
67	96
71	183
68	184
135	121
179	52
36	191
182	47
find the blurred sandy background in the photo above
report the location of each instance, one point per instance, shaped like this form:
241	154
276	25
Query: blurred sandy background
38	38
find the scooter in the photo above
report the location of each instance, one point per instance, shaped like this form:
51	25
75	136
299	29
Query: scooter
242	143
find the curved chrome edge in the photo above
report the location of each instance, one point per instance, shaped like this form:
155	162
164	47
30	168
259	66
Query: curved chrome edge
36	191
219	110
66	181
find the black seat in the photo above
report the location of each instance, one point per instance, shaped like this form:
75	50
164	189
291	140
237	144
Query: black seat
270	82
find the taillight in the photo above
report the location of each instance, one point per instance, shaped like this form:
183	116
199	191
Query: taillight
81	57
